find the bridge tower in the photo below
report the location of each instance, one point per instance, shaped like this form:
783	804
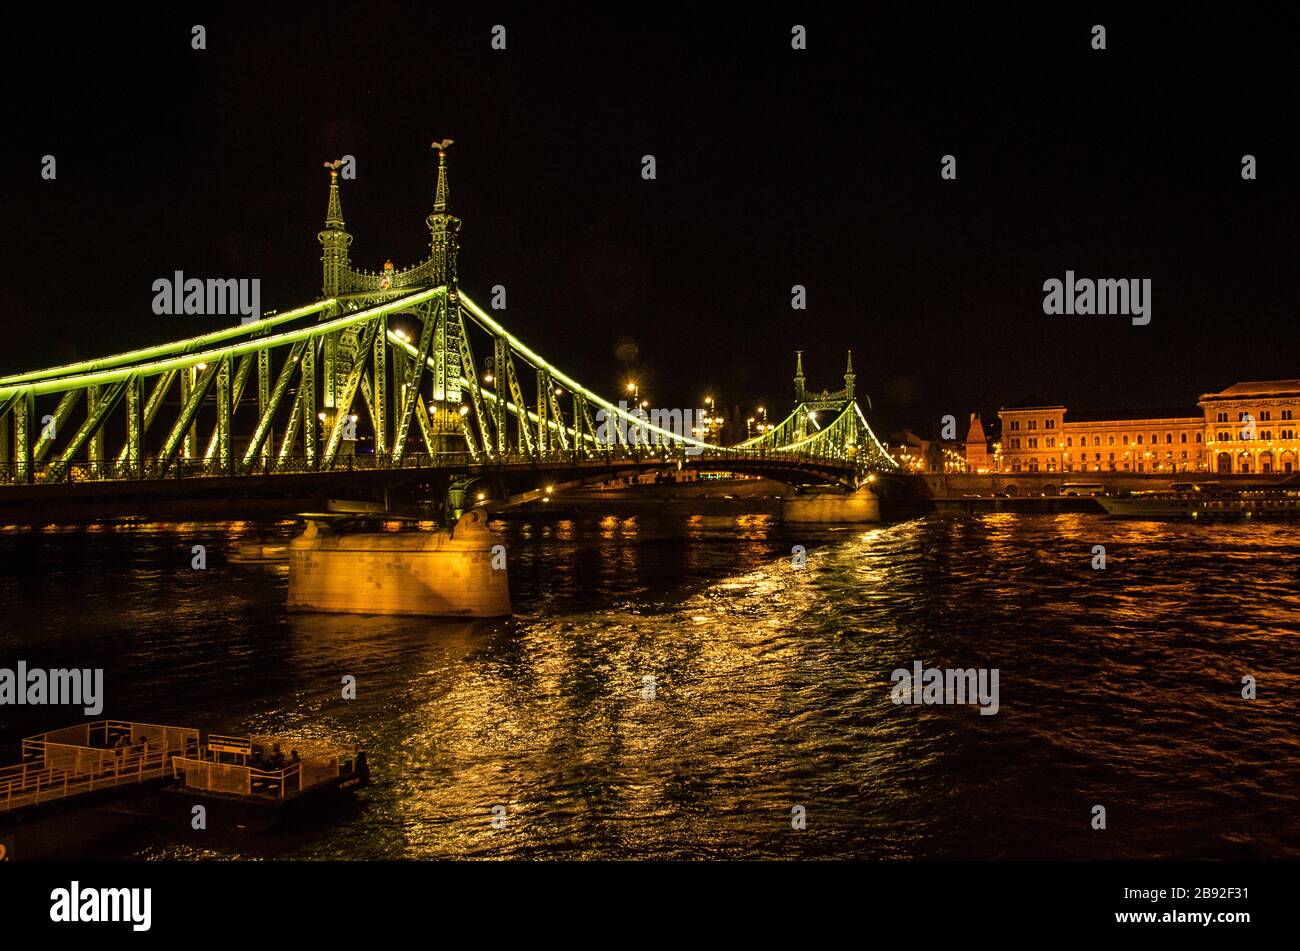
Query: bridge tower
444	227
334	240
444	243
807	403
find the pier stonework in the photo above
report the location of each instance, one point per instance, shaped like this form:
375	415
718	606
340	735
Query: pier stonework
832	507
434	574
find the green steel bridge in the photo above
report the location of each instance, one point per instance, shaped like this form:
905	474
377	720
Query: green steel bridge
390	360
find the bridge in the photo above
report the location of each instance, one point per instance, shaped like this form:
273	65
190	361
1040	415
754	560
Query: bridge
376	384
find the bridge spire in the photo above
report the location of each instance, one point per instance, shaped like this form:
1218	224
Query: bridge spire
334	239
798	377
849	378
444	227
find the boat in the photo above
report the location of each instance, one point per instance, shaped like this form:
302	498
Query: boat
1209	501
253	782
145	769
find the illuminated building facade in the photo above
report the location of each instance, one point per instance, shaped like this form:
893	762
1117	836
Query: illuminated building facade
1247	428
1251	427
978	458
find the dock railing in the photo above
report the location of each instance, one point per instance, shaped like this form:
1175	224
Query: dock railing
71	761
223	766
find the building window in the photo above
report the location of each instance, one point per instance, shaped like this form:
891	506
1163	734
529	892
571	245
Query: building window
1051	442
1183	437
1265	415
1139	439
1096	441
1198	437
1033	424
1125	437
1169	437
1069	440
1051	424
1110	440
1015	424
1286	414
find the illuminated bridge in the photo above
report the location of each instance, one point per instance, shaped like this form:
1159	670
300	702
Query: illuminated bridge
402	363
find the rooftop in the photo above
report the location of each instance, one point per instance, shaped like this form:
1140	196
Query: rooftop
1107	416
1258	388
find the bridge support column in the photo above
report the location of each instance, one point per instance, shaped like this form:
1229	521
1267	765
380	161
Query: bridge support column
6	460
455	502
264	397
501	387
24	420
189	377
224	456
379	391
95	446
308	384
135	425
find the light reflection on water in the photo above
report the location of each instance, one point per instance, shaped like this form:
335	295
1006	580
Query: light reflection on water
1118	687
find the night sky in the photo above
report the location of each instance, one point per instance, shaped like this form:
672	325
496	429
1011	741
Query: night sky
775	167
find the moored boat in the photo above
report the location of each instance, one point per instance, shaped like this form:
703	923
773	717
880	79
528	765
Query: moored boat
253	782
1201	501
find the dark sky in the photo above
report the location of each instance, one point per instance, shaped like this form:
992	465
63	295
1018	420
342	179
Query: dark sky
775	168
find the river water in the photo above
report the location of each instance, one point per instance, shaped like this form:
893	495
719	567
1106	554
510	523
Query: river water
770	696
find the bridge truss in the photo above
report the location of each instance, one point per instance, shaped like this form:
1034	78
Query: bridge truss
403	360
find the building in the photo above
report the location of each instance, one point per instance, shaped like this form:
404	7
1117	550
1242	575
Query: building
978	458
1251	427
1247	428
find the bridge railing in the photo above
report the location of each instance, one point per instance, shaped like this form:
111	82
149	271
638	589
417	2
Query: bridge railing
54	473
